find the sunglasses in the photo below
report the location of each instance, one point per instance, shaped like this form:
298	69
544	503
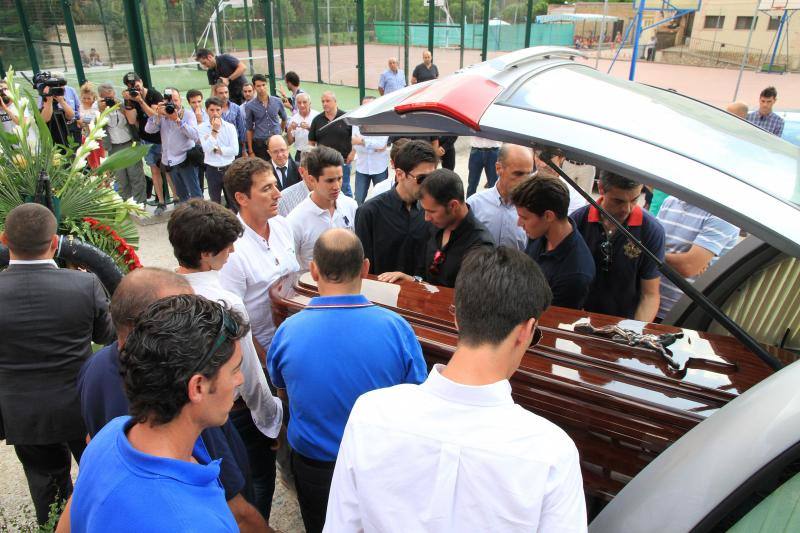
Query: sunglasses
228	329
537	333
606	249
438	259
419	177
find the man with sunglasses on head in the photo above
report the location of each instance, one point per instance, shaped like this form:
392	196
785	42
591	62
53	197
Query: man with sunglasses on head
541	204
455	230
626	282
456	453
392	225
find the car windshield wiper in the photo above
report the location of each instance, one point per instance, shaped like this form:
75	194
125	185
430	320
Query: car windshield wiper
699	298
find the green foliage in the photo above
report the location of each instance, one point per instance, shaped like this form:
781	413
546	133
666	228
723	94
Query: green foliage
24	519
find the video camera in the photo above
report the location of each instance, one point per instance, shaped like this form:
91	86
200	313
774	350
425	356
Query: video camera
44	79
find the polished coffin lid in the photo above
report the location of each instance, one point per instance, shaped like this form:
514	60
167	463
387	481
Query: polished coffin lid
621	405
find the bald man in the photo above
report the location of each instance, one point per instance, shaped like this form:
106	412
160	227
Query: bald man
285	168
493	206
366	347
338	136
737	108
392	78
426	70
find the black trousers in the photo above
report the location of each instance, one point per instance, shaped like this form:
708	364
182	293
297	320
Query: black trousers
260	149
47	468
262	460
449	158
313	481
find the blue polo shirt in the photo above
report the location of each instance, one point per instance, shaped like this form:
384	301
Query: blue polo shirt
568	268
120	488
616	288
329	354
103	398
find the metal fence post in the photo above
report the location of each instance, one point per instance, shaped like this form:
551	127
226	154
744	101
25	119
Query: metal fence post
249	37
105	31
485	39
463	29
280	37
362	89
406	16
270	49
149	31
528	24
431	8
66	6
316	40
26	35
171	35
136	40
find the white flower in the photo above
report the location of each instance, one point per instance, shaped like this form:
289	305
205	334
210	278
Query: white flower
79	163
98	134
23	104
102	121
91	145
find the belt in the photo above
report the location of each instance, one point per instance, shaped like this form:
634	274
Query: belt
219	169
577	163
485	149
313	462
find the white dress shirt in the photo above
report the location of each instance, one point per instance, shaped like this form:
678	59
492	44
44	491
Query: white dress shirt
381	187
226	144
499	218
266	409
256	264
480	142
301	134
372	157
291	197
446	457
309	221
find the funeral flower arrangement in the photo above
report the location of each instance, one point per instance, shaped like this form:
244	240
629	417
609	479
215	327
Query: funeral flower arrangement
85	205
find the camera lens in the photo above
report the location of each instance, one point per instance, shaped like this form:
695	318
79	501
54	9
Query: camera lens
169	109
133	92
109	101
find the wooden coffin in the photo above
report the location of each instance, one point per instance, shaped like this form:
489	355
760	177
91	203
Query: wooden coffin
621	405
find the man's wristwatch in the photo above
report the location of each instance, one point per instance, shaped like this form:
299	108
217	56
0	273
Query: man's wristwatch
418	279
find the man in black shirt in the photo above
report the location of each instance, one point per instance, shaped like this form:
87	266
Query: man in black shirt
554	243
455	229
225	68
392	226
339	136
426	70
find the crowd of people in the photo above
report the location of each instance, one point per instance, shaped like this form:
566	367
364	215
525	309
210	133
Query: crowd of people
184	408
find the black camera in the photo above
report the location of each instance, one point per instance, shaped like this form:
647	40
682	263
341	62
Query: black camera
44	79
110	102
133	93
169	106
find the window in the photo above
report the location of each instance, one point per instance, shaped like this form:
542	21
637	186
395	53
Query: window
743	23
713	22
774	22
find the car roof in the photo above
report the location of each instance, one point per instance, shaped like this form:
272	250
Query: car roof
539	96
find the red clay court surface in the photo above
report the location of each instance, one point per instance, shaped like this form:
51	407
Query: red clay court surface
712	85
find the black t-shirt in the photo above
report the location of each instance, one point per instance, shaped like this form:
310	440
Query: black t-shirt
339	136
470	234
226	65
152	98
423	73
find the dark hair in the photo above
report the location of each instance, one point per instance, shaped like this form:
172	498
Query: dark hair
443	185
292	78
339	255
414	152
199	226
548	153
191	93
611	180
213	100
306	155
29	229
170	339
239	176
219	85
258	77
130	76
203	52
324	157
397	144
505	281
769	92
138	290
540	194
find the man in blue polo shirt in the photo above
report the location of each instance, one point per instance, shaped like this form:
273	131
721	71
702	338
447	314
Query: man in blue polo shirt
626	281
102	392
181	365
326	356
553	243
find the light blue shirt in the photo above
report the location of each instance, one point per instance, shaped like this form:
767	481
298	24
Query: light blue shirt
499	218
392	81
177	138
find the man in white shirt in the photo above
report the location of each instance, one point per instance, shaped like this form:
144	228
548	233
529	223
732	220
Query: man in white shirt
576	201
264	253
220	144
325	207
372	159
482	158
493	206
299	124
455	453
284	168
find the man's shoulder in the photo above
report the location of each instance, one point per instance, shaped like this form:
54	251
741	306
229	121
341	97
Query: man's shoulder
347	204
482	200
651	225
300	211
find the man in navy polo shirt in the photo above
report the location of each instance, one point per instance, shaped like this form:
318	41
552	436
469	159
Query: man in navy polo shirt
553	243
326	356
151	471
626	282
102	393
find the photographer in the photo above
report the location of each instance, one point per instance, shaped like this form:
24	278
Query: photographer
139	104
225	68
121	130
59	105
178	131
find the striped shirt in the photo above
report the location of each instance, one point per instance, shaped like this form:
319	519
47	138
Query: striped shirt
291	197
771	123
686	225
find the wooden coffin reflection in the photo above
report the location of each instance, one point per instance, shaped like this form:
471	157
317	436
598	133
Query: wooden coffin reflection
621	405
